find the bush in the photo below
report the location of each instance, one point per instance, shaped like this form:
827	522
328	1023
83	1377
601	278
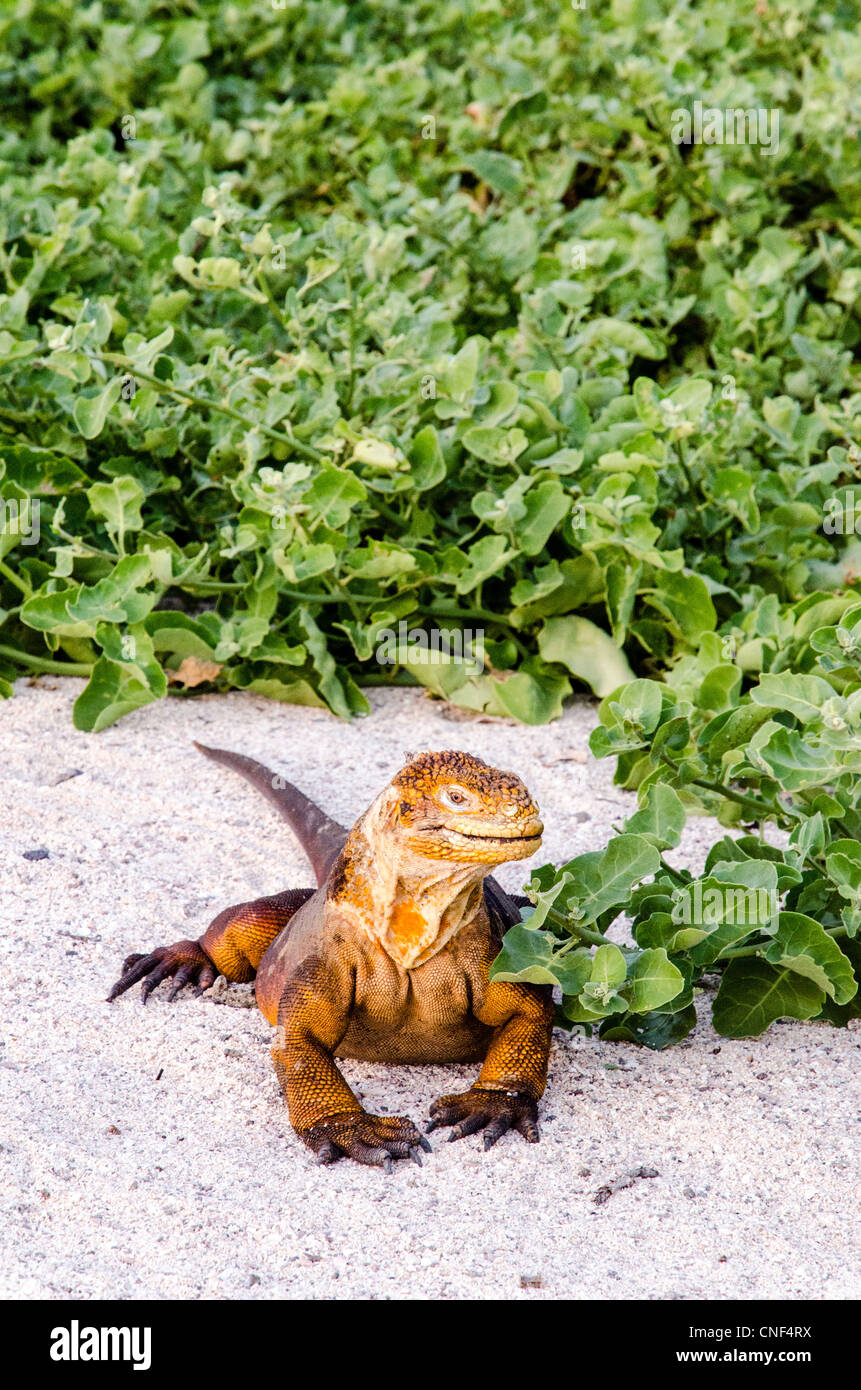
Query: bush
325	318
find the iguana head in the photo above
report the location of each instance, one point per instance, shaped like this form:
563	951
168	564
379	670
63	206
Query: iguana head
412	867
452	806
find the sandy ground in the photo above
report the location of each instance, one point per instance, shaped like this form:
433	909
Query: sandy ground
147	1153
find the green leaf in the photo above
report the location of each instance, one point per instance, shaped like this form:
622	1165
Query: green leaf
622	583
660	930
500	171
843	862
586	651
114	690
547	506
802	945
318	269
179	635
731	903
685	601
119	502
296	692
341	694
653	1030
691	398
604	878
653	980
661	819
720	688
793	761
732	489
529	955
731	730
608	967
495	446
90	412
628	336
802	696
379	453
808	839
221	271
75	611
425	455
333	495
302	562
753	994
458	378
839	1015
592	1004
532	698
484	558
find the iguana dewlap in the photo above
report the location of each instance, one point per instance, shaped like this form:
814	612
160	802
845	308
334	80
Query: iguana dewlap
389	959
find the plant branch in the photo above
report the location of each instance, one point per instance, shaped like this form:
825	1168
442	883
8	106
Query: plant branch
15	579
44	664
594	938
285	437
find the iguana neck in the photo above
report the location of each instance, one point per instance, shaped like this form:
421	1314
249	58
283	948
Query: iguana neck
411	906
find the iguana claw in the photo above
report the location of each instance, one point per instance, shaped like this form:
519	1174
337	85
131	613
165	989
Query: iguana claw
185	960
371	1139
496	1112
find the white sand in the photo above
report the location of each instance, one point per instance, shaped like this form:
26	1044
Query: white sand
115	1183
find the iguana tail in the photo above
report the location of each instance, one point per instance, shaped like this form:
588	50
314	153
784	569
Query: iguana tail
320	837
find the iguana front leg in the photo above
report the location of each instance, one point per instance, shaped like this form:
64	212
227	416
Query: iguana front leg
514	1074
313	1016
233	945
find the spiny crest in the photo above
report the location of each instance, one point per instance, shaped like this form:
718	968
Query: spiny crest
427	772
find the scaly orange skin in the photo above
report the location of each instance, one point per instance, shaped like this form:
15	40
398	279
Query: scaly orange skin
389	959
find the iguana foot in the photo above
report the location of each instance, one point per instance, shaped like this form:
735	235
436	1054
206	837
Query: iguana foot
375	1139
185	960
495	1112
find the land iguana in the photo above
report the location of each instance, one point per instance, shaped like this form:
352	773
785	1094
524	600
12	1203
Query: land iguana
388	959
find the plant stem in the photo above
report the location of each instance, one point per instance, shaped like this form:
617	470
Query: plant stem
208	586
285	437
437	610
761	809
84	545
399	678
674	873
42	663
684	466
351	339
261	280
594	938
15	579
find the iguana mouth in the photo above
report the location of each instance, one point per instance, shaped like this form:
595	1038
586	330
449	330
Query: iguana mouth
501	839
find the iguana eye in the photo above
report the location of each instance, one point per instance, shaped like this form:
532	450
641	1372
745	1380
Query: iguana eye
454	796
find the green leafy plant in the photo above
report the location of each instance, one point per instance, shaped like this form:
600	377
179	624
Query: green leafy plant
318	319
776	919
